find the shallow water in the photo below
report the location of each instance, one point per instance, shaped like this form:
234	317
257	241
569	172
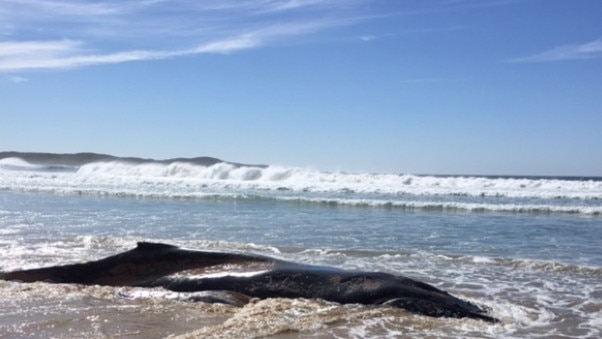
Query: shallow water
540	273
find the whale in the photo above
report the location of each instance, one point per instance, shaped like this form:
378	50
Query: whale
237	278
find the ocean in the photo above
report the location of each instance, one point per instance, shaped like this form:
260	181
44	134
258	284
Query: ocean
527	249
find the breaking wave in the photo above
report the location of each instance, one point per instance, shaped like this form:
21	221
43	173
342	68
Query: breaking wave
185	180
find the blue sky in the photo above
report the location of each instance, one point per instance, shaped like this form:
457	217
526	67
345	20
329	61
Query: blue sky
441	86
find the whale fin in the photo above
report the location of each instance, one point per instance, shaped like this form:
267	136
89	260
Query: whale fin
153	246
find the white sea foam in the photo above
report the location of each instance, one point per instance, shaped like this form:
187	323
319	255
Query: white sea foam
14	162
17	164
186	180
302	179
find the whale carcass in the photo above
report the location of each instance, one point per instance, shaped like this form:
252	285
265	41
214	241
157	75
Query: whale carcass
235	278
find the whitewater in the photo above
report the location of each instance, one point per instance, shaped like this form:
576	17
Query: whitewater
182	180
527	249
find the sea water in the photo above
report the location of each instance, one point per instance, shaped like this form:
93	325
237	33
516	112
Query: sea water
527	249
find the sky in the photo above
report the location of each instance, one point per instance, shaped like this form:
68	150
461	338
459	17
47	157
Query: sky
499	87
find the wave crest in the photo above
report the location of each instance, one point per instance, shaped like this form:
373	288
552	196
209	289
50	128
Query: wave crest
317	181
186	180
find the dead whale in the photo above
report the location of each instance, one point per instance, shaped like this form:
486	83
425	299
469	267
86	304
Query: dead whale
235	278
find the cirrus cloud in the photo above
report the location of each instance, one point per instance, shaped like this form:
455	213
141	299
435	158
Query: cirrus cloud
66	34
31	55
588	50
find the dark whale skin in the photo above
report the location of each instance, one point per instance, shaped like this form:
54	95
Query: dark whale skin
161	265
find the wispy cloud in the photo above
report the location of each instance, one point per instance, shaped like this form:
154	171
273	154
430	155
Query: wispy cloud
589	50
65	34
17	79
31	55
65	7
28	49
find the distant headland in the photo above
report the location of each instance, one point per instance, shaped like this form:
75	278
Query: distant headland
80	159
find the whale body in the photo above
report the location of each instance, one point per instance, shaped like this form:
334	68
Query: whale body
235	278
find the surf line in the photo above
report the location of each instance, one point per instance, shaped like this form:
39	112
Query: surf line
184	270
